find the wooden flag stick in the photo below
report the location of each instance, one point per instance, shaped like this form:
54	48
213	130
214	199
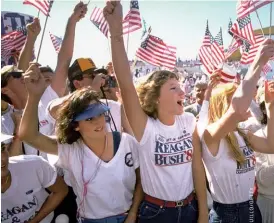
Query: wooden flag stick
38	14
270	31
41	42
259	22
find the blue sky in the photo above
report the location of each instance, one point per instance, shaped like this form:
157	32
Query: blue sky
178	23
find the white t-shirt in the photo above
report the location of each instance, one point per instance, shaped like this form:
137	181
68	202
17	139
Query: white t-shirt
115	109
265	170
45	127
165	156
110	186
7	124
26	195
229	182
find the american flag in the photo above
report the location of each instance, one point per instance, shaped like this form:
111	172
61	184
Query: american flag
43	6
229	27
267	68
154	51
205	51
12	42
56	41
235	45
98	19
132	20
217	49
245	7
249	51
242	28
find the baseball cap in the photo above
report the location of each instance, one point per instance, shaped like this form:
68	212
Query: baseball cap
83	66
93	110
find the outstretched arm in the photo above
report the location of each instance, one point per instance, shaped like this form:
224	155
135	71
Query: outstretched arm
66	52
136	116
28	130
33	30
242	97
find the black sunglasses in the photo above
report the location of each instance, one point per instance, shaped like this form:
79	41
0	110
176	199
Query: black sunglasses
5	78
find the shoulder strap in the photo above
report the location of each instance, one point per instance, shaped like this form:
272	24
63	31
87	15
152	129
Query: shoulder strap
116	141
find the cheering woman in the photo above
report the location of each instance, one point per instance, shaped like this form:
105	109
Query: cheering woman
169	152
101	164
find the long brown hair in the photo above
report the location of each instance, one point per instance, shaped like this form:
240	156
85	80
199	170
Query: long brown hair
78	101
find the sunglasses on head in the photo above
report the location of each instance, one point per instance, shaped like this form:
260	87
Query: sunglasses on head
5	78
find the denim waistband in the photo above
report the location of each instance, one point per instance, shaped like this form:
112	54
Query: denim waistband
236	205
106	218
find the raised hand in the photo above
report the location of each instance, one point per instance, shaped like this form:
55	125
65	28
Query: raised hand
34	28
265	52
79	12
98	82
113	13
34	81
214	80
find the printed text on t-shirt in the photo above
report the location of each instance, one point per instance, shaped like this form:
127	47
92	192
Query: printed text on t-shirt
173	151
249	163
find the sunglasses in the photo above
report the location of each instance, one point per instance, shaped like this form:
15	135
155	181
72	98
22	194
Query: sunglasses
5	78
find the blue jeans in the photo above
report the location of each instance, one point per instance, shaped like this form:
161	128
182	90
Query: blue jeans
245	212
113	219
151	213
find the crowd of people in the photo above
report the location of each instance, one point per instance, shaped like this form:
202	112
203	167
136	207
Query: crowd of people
91	145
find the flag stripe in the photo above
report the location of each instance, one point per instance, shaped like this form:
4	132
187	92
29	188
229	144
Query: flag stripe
245	7
43	6
243	29
132	20
56	41
154	51
248	56
98	19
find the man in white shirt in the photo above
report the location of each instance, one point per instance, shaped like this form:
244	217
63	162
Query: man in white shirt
200	88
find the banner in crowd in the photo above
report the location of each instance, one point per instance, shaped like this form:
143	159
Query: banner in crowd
13	35
11	21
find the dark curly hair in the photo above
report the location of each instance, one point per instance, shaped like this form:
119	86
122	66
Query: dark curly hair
78	101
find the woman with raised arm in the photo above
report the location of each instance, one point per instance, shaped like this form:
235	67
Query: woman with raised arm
167	136
228	152
101	164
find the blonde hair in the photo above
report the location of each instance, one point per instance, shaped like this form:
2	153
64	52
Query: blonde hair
218	106
149	91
